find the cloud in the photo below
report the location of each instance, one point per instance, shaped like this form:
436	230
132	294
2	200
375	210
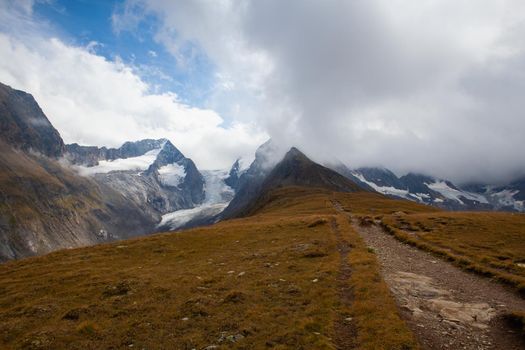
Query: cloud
95	101
429	86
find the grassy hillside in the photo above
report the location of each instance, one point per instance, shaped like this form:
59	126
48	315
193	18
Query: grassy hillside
295	275
273	280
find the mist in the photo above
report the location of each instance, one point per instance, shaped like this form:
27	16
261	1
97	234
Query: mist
431	86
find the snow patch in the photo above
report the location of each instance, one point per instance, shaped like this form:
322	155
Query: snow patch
178	218
505	198
172	174
448	192
134	163
389	190
420	197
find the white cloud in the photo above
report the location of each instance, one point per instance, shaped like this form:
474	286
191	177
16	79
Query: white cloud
432	85
93	101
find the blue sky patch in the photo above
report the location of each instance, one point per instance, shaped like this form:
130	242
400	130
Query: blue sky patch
88	23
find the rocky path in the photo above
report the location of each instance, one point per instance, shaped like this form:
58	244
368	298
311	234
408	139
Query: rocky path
344	330
445	307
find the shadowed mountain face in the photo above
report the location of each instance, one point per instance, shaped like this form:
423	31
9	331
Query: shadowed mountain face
298	170
24	126
44	207
295	169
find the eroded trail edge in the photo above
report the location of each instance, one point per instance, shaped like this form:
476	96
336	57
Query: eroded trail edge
445	307
345	334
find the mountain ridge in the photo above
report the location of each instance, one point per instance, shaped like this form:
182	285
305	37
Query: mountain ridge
295	169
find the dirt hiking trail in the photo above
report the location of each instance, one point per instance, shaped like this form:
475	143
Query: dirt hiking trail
445	307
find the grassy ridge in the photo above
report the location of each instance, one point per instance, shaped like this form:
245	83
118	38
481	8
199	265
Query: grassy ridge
267	281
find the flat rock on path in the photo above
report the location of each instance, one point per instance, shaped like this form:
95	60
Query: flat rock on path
445	307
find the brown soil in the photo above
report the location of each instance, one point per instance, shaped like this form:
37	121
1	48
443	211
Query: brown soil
445	307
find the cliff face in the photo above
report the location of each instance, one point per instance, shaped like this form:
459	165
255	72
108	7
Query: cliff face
24	126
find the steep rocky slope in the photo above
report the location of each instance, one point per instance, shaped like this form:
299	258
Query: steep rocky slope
24	126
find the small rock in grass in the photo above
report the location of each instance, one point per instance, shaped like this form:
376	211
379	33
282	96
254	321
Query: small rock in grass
234	337
315	280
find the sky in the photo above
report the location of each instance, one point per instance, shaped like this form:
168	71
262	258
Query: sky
429	86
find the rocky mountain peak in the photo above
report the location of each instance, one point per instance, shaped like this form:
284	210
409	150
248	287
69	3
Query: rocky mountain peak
169	154
23	124
233	176
294	169
294	155
138	148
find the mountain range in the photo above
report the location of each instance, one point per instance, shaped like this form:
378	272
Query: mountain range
57	196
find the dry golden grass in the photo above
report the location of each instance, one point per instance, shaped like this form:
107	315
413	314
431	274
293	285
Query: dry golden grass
491	244
373	309
267	281
245	283
179	291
